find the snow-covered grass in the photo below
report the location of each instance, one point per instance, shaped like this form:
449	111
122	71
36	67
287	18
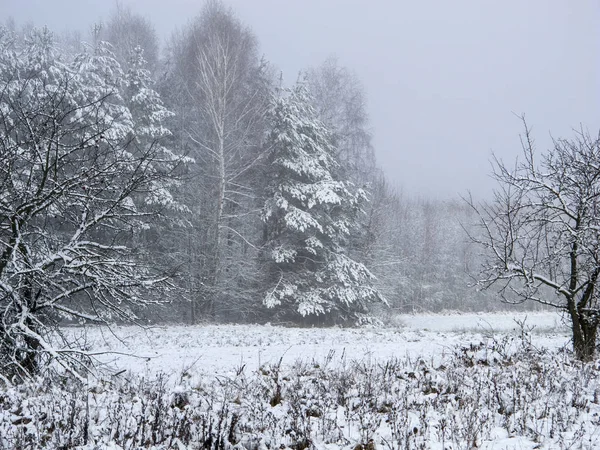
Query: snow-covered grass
221	349
439	382
539	322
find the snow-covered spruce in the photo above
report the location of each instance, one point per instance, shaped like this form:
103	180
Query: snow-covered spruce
308	216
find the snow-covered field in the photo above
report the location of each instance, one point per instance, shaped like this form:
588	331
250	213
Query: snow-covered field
464	381
221	349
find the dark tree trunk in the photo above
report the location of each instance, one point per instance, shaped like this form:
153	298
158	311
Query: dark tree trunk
585	329
29	361
28	358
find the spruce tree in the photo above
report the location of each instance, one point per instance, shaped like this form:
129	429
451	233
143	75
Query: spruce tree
308	216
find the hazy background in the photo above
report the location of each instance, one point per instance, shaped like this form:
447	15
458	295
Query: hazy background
443	79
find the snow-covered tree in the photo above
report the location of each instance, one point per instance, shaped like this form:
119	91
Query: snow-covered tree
308	215
75	183
541	233
149	123
220	89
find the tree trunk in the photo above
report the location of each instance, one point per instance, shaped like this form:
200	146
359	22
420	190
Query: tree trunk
584	344
28	357
584	334
29	362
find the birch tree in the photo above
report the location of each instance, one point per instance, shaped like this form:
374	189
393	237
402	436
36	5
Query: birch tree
225	88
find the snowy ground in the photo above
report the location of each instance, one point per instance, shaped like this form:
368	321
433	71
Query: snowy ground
222	349
443	382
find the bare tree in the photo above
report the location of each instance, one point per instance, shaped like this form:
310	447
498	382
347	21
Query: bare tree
541	232
76	181
340	101
126	30
226	90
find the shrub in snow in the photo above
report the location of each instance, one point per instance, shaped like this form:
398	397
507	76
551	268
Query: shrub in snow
501	393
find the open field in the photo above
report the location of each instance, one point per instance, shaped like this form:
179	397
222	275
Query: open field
492	381
221	349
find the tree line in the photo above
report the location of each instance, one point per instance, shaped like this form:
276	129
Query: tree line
191	184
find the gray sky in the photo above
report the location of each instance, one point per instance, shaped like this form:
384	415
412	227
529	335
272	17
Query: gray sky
443	78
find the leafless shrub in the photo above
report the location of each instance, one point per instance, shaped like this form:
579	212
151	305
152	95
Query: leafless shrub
547	397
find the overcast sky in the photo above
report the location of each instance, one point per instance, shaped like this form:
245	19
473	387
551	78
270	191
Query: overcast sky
443	78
